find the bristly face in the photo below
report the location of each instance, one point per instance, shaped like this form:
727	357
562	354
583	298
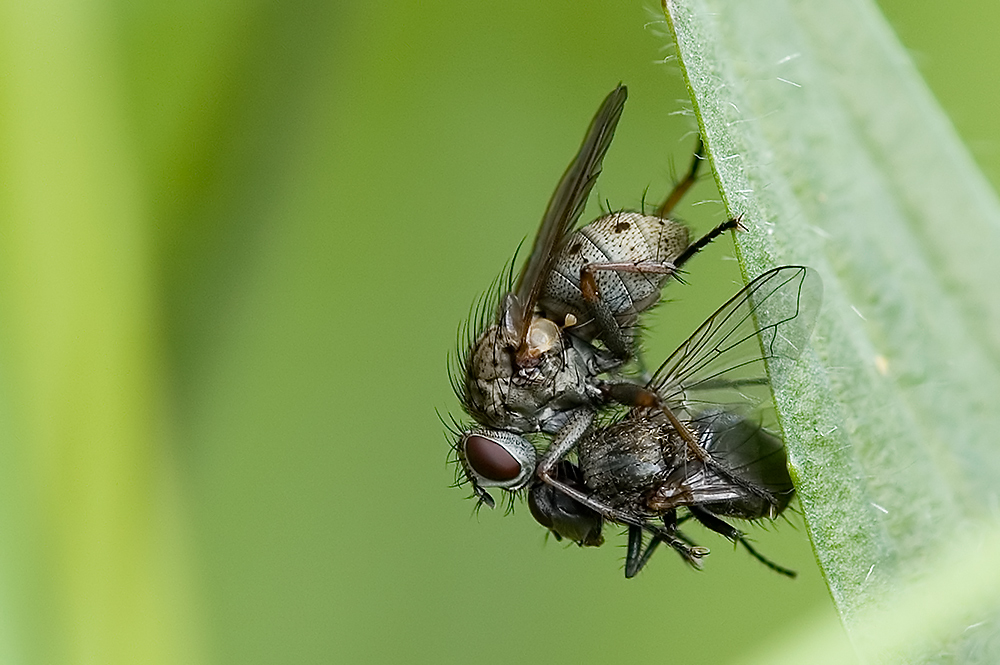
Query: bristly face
481	317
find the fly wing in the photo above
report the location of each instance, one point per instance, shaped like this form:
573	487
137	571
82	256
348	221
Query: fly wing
564	210
725	361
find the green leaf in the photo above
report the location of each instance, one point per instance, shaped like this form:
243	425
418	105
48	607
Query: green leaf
828	144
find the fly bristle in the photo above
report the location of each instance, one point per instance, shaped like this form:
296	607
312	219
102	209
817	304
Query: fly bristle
483	313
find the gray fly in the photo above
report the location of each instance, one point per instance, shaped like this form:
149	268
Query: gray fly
548	356
638	470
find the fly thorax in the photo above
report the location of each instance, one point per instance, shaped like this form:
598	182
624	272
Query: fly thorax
621	463
491	371
490	358
571	387
503	395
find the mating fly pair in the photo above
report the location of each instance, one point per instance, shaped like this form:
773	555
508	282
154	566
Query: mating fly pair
550	358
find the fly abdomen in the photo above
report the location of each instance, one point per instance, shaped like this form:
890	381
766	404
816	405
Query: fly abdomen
643	465
620	240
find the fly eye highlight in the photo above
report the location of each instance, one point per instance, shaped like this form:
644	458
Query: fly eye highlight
494	458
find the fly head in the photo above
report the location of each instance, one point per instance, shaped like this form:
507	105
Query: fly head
562	515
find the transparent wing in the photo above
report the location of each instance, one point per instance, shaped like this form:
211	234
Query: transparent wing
725	361
564	210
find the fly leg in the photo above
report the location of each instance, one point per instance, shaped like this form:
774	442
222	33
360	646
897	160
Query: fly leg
681	188
675	196
722	527
619	342
566	438
702	242
636	558
689	553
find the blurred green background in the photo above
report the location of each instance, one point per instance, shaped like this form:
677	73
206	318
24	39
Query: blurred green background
236	243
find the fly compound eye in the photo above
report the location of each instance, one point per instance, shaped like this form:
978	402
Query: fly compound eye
490	460
496	458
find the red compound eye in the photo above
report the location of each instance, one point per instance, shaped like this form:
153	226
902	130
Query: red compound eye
491	460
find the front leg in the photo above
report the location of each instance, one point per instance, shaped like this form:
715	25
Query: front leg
576	425
636	558
618	341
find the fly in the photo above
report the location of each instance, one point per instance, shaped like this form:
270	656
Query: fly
638	470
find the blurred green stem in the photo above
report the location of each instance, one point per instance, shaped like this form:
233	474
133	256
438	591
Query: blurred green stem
94	567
